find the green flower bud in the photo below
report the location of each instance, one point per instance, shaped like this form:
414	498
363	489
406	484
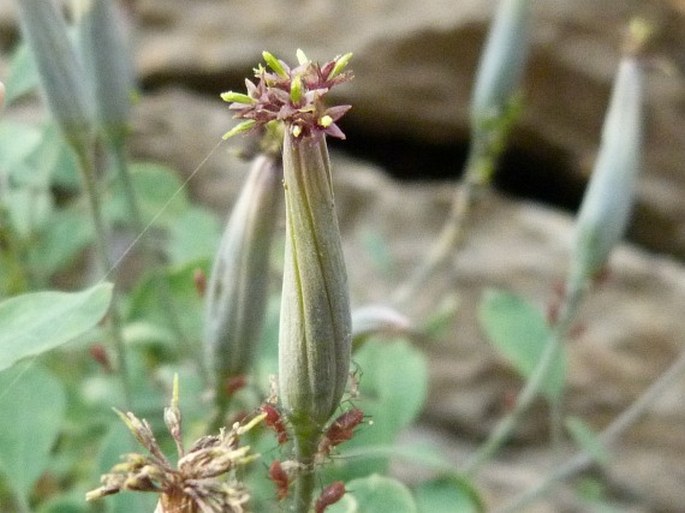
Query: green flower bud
61	73
608	199
502	62
315	325
238	285
108	61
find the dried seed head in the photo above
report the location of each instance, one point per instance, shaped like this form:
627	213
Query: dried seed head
198	483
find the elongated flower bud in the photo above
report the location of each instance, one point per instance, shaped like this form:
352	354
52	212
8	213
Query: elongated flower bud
608	199
108	61
315	326
315	329
2	95
502	62
61	73
237	291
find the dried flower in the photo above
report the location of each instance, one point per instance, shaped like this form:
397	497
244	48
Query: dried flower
201	482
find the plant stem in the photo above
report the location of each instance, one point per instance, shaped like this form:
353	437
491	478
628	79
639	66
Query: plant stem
305	450
534	384
453	232
87	167
582	461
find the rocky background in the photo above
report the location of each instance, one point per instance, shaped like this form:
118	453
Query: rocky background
407	135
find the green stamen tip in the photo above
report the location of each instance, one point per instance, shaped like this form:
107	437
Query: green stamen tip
239	128
340	64
301	57
296	90
325	121
233	97
274	64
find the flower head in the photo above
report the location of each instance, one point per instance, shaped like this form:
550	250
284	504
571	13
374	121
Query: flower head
197	483
293	96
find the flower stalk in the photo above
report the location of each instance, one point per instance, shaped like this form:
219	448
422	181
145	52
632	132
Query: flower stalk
495	106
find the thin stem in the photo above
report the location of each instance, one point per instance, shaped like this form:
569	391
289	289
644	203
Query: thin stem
453	232
114	326
305	451
533	386
582	461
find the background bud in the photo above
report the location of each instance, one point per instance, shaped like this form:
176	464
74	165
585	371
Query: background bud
502	61
107	59
237	290
61	73
608	199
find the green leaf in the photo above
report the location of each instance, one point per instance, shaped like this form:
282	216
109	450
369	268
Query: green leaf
158	190
194	235
448	494
17	142
393	384
520	332
376	494
23	74
31	324
65	234
33	405
186	305
586	438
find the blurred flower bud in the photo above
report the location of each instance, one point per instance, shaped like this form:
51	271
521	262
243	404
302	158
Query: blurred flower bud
372	319
61	73
2	95
502	62
315	329
236	294
108	62
606	206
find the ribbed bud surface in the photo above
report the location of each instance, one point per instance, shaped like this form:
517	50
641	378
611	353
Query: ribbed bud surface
315	325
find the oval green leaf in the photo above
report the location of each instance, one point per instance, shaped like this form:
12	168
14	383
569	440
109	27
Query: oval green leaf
379	494
519	331
33	405
31	324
